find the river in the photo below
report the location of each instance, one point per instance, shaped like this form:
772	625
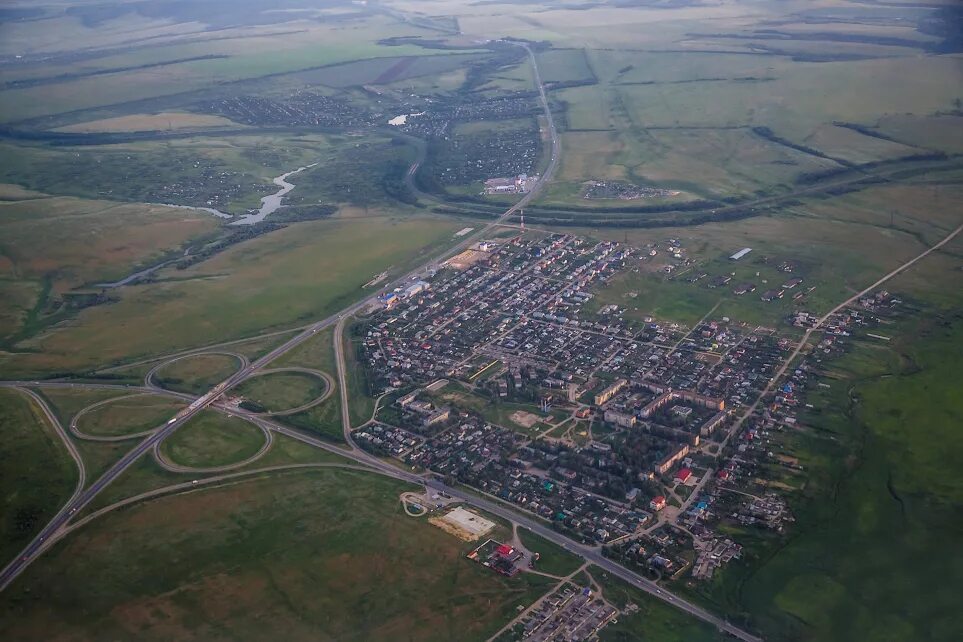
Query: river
270	203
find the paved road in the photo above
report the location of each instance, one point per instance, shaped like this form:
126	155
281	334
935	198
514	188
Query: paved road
822	320
39	544
58	524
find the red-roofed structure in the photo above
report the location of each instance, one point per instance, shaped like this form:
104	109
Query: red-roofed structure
683	474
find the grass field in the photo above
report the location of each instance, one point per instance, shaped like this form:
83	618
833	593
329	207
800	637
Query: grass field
874	526
116	237
282	390
67	402
150	122
196	374
238	292
181	67
128	416
212	439
655	620
565	65
49	246
553	559
497	413
316	353
360	398
323	420
211	564
37	474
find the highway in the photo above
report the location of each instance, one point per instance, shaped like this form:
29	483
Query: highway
82	499
58	525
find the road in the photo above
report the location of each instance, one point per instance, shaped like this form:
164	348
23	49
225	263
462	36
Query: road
58	524
822	320
82	499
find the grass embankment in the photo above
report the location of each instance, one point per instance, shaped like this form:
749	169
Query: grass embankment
211	564
130	415
196	374
37	474
323	420
282	390
212	439
553	559
654	620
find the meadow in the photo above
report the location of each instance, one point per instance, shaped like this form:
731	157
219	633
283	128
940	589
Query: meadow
282	390
211	439
37	475
553	559
874	527
196	374
129	416
52	245
211	564
238	292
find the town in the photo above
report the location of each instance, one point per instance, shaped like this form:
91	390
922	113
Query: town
622	434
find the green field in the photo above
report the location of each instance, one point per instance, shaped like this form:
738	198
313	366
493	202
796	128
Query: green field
49	246
316	353
211	439
67	402
323	420
360	400
147	475
553	559
837	579
282	390
37	474
565	65
237	293
196	374
130	415
654	620
213	564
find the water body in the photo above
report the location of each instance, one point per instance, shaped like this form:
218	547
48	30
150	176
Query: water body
270	204
137	276
209	210
398	121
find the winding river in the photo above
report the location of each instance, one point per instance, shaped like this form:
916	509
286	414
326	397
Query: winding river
270	203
